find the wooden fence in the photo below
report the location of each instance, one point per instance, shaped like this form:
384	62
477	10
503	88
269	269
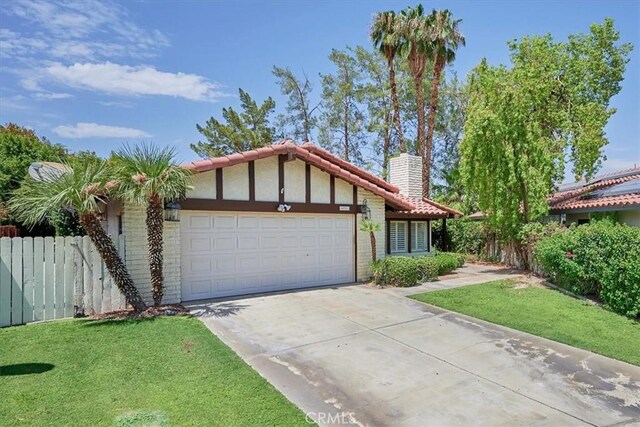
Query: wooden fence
53	278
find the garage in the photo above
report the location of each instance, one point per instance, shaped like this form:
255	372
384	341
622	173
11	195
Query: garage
236	253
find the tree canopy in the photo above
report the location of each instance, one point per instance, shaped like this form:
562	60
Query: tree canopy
524	122
299	120
242	131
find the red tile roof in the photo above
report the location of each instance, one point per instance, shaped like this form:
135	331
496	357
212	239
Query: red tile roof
287	147
336	166
427	207
600	202
587	188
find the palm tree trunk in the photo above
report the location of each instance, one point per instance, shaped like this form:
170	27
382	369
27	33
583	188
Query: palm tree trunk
433	105
396	106
422	147
386	146
373	246
112	260
155	223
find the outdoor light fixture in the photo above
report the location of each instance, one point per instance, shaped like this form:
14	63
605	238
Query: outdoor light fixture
172	211
284	208
365	210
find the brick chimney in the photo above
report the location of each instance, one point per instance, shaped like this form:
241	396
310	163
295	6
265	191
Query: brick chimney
405	172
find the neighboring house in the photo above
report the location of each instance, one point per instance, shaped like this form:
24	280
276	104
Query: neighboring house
615	192
280	217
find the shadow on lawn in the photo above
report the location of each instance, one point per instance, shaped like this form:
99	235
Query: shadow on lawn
25	369
117	322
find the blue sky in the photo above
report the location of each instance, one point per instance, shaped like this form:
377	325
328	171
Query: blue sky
92	76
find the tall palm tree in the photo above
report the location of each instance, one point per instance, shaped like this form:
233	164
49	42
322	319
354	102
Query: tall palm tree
386	39
445	38
368	226
81	189
148	175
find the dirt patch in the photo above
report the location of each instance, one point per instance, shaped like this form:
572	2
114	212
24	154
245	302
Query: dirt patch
163	310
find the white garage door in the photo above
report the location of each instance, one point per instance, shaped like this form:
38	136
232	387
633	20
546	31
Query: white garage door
225	253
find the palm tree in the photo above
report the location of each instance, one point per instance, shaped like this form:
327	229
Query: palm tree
386	38
81	189
371	227
415	48
445	37
148	175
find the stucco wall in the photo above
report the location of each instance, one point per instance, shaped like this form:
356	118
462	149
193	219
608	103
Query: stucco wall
266	174
294	182
363	255
235	182
137	254
630	217
204	186
344	192
320	187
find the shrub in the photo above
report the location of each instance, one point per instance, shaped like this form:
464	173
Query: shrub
396	271
428	266
600	258
447	261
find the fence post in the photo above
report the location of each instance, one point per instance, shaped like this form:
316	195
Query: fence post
27	278
5	281
38	279
16	281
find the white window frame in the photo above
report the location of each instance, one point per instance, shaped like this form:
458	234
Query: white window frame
414	236
393	242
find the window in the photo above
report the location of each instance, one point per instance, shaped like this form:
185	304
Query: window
397	237
419	236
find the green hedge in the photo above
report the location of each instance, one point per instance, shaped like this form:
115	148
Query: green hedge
409	271
601	259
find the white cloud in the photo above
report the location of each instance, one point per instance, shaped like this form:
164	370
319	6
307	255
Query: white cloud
52	95
77	29
118	104
93	130
118	79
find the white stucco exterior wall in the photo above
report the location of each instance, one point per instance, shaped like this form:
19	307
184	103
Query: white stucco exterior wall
344	192
266	175
320	186
235	182
631	218
294	182
137	254
204	186
363	253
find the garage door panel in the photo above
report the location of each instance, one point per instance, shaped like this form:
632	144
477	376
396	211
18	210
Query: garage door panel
225	254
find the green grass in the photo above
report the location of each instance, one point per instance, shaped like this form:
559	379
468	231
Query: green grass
546	313
173	369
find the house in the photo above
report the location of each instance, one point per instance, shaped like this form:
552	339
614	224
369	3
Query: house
616	192
280	217
575	202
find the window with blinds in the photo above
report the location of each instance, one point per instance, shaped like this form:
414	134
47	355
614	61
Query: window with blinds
419	236
397	237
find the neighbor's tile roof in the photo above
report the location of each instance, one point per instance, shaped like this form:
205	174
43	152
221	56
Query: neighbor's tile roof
600	202
600	183
334	165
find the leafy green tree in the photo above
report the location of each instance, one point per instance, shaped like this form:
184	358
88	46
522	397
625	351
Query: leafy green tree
82	189
376	97
444	39
300	114
342	121
387	40
524	121
148	175
243	131
19	147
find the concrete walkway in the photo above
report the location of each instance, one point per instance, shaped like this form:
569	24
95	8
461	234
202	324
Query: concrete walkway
365	356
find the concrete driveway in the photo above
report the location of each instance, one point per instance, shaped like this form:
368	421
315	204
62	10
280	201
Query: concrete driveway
365	356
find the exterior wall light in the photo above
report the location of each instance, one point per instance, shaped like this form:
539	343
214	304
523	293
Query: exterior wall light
284	208
365	210
172	211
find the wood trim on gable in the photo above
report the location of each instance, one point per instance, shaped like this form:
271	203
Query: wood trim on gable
219	185
255	206
281	160
307	182
252	180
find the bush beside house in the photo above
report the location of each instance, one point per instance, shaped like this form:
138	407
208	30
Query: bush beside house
600	259
409	271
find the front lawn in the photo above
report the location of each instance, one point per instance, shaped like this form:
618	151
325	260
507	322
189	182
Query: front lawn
546	313
89	373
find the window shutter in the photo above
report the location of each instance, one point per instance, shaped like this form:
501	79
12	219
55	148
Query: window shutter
418	236
398	236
